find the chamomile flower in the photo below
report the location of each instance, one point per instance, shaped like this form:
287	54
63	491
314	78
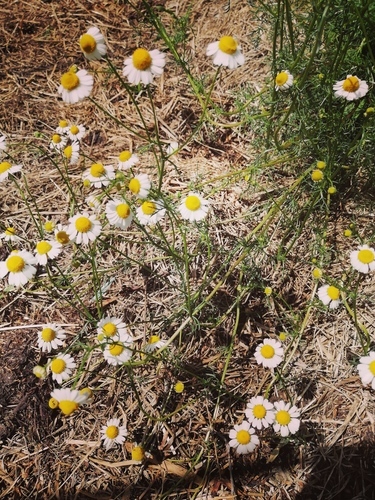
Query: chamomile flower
50	337
269	353
351	88
75	85
93	202
67	400
83	228
363	259
330	296
40	372
61	234
118	213
260	412
63	127
138	453
49	226
194	207
119	351
7	168
287	419
140	185
99	175
92	44
3	143
76	132
283	80
62	367
112	433
127	160
20	265
45	250
58	142
366	369
150	212
226	52
71	152
243	438
154	343
143	66
111	328
317	175
10	234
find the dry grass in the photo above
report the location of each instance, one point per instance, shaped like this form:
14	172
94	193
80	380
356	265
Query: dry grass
45	456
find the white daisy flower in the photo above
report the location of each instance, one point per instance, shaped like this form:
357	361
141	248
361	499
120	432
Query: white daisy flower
143	66
61	367
92	44
76	132
45	250
283	80
194	207
154	343
113	433
61	234
20	267
260	412
99	175
6	169
67	400
140	185
58	142
75	85
351	88
63	127
119	351
83	228
50	337
226	52
150	212
71	152
93	202
3	143
366	369
49	226
363	259
287	419
111	328
269	353
243	438
330	296
118	213
10	234
126	160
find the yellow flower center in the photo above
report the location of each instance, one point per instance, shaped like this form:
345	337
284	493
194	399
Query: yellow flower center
259	411
10	231
86	391
142	59
243	437
135	186
281	79
267	351
4	166
138	453
69	81
124	156
15	264
317	175
366	256
97	170
282	417
53	403
62	237
123	210
109	329
58	365
371	367
49	226
192	203
74	130
68	407
56	138
228	45
43	247
179	387
148	207
63	123
87	43
116	349
83	224
153	339
112	432
321	165
333	292
68	151
351	84
48	334
317	273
